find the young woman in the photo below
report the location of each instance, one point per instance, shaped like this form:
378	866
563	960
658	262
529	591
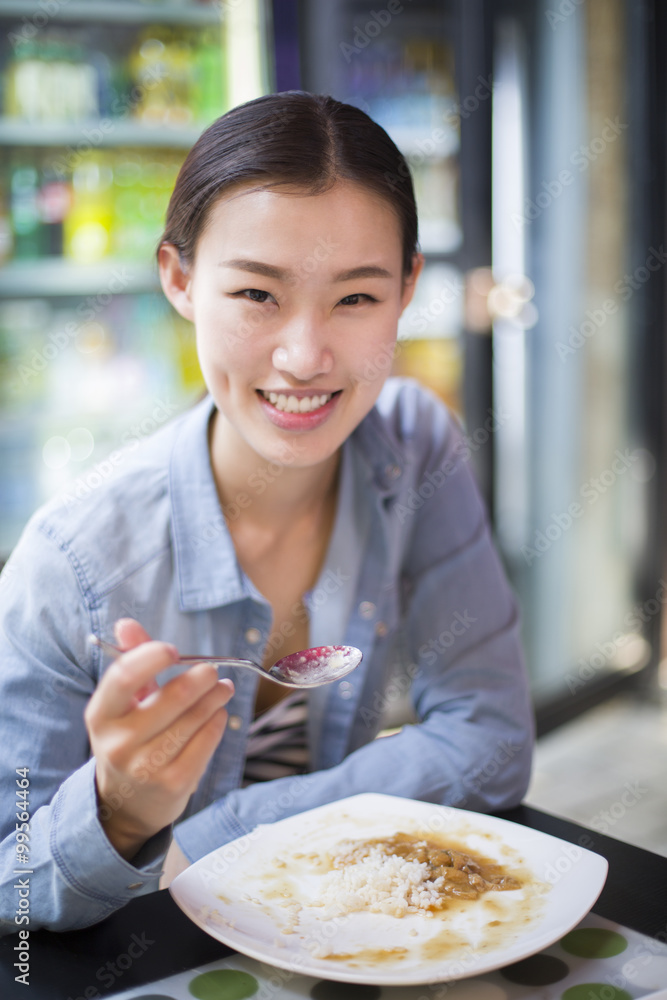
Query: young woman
306	500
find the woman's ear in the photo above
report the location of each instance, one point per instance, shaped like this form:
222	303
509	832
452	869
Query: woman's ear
175	280
410	281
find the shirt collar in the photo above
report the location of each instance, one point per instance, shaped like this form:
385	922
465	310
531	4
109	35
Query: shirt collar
207	570
383	456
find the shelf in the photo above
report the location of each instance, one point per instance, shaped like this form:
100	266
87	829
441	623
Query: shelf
57	276
105	132
113	12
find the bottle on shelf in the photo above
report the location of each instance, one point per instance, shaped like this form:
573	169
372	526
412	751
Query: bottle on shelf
172	76
50	79
88	225
54	201
26	222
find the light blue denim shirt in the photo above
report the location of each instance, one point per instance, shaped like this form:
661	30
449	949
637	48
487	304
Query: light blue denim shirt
411	577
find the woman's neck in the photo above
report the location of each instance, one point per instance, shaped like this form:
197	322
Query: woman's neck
268	493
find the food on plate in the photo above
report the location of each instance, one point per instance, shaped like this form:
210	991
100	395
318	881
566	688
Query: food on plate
405	874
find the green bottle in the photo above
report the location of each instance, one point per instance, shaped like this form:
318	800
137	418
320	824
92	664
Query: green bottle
24	211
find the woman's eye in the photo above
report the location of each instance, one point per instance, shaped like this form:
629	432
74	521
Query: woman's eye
255	294
356	299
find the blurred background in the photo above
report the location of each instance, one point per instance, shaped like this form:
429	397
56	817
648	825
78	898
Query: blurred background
535	133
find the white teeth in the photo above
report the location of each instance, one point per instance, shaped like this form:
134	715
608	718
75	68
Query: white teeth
292	404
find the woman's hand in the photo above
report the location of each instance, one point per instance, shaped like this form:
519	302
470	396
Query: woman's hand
151	744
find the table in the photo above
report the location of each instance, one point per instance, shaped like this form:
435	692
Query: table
151	938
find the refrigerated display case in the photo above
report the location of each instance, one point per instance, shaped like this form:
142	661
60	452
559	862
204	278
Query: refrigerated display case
100	103
578	206
535	134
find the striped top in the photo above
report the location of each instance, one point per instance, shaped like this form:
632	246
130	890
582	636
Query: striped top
277	741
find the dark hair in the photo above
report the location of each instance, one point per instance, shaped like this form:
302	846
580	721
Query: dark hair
304	140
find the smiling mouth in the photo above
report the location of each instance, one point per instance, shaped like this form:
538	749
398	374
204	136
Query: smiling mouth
289	403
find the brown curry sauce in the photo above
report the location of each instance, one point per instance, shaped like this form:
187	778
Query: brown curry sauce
465	875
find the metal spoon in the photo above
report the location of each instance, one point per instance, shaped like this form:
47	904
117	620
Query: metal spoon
306	669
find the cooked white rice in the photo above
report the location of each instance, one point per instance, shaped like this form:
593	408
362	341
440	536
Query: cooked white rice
380	883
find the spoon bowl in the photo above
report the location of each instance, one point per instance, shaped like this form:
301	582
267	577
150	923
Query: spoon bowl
308	668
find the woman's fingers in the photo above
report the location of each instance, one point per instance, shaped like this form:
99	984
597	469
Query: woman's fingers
182	696
129	633
156	740
170	741
118	691
189	765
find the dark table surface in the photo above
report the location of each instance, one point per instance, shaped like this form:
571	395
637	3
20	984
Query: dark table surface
160	940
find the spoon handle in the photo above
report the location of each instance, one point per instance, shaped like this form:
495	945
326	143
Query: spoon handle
219	661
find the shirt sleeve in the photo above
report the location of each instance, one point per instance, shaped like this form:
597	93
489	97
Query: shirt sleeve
72	874
472	744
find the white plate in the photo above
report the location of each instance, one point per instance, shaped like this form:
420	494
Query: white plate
243	895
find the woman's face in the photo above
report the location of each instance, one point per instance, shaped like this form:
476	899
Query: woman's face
295	300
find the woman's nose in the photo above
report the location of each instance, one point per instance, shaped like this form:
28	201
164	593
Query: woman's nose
303	354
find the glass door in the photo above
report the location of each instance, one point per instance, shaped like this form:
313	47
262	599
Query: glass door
576	457
532	129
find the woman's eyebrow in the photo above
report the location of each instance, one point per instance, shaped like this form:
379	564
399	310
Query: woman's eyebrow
365	271
257	267
283	274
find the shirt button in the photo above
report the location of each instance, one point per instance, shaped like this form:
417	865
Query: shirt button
366	609
135	885
345	689
234	721
253	635
392	472
381	629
